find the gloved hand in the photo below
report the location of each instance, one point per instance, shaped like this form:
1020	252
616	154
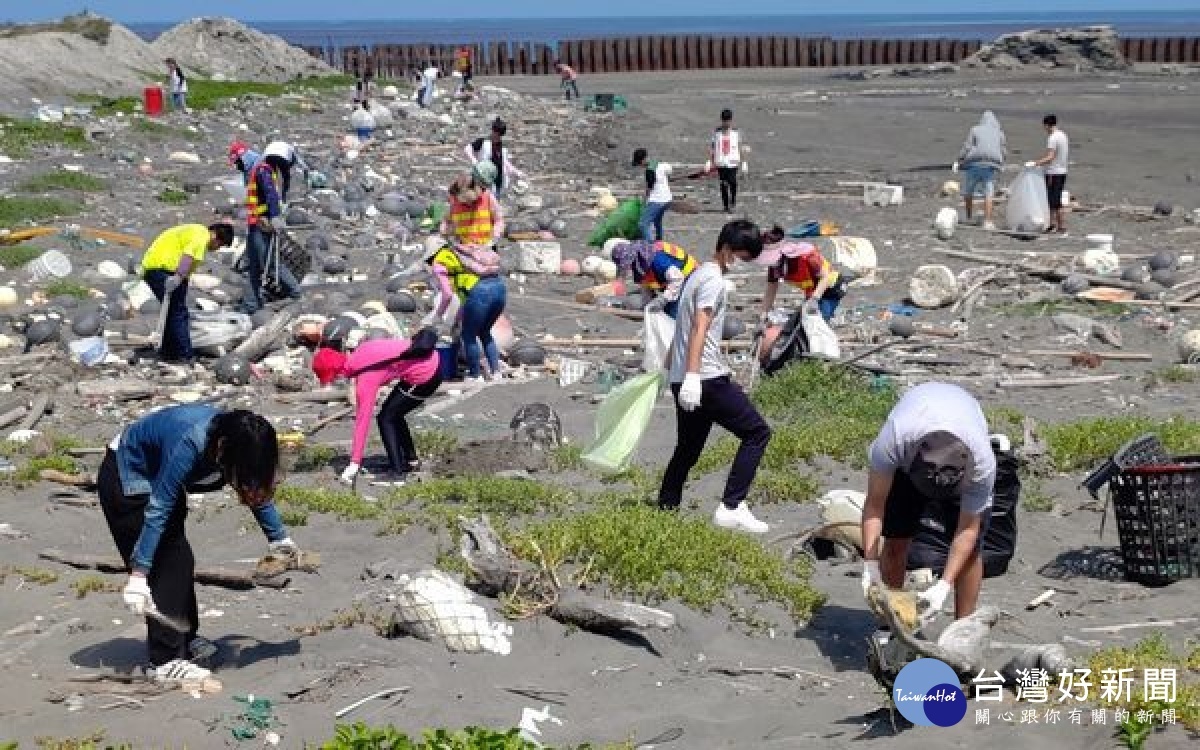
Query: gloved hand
278	223
690	392
285	547
931	600
871	575
172	283
350	473
745	167
954	167
1030	164
136	595
708	166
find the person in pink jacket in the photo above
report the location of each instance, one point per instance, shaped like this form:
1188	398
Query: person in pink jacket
412	365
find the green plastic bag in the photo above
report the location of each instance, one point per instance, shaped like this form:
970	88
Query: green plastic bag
622	222
621	421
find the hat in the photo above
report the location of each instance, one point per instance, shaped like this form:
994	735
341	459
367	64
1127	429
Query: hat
610	245
940	463
485	173
328	365
236	150
433	245
772	254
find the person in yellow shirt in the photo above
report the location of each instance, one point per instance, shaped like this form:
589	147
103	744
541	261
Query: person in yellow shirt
166	267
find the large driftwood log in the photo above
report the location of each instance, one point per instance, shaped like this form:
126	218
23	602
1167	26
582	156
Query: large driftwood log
230	579
36	409
496	571
268	338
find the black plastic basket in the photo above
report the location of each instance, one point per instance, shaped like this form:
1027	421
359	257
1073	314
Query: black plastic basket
1143	449
1157	508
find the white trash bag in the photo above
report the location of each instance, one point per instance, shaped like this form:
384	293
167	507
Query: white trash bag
1028	206
821	338
433	605
658	330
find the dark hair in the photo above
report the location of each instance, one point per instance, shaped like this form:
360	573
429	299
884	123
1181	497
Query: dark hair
224	232
499	128
244	445
1050	120
741	236
726	115
774	234
639	157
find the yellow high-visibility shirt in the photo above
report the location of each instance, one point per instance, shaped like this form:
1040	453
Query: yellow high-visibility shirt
170	246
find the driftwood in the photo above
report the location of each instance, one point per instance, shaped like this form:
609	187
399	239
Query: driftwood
230	579
71	480
552	342
1114	356
495	571
1057	382
320	396
126	389
266	339
790	673
36	410
13	415
1051	274
324	422
620	313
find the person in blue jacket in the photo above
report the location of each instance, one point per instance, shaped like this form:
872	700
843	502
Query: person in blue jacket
147	471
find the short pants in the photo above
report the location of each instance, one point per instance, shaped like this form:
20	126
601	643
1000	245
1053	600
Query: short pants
978	181
902	516
1055	183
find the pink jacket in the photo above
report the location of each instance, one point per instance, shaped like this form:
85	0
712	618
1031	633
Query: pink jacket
369	379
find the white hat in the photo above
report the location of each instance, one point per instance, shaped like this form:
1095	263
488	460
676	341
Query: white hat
433	244
610	245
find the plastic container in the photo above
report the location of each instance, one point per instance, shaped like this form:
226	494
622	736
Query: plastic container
856	254
211	330
1099	242
1157	507
90	351
448	360
49	265
882	194
571	371
152	100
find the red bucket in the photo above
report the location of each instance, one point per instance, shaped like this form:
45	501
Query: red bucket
152	98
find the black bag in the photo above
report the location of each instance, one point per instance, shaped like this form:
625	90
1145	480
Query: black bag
939	521
789	346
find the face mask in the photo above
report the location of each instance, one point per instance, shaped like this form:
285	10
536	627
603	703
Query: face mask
468	195
934	481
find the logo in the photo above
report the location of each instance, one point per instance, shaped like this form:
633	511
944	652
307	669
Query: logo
928	693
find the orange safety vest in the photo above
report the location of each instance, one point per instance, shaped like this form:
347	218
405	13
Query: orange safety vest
256	208
462	59
677	257
473	223
797	269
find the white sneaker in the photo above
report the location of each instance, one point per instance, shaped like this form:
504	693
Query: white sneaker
738	519
180	670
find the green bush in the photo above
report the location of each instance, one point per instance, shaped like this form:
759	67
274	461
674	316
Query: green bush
19	137
1085	443
19	209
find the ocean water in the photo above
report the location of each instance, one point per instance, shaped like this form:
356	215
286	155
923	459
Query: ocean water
984	26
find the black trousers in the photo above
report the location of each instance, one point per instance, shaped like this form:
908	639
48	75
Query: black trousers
171	577
393	428
724	403
728	177
284	167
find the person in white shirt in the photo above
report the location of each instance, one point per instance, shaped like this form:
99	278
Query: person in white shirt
429	78
658	195
493	149
283	156
179	86
1058	149
725	153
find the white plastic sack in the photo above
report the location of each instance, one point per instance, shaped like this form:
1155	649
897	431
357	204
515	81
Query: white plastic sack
842	510
431	604
945	222
1028	207
821	338
658	330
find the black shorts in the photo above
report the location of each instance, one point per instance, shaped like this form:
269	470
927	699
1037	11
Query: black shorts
1054	190
908	511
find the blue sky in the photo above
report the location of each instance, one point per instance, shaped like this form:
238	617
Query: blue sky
305	10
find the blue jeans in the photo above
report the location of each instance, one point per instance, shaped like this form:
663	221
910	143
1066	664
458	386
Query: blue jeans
828	304
178	100
979	181
652	214
259	260
177	335
480	311
364	134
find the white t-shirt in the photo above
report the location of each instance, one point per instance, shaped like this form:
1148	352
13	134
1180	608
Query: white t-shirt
661	192
727	148
362	119
939	407
178	82
705	288
282	149
1062	148
430	76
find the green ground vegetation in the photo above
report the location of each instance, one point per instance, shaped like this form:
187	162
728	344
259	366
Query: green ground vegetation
62	179
15	256
19	137
360	736
86	25
1152	652
67	288
16	210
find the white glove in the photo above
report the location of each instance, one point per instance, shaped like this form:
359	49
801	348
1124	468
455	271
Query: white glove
137	595
1030	164
931	600
278	223
745	167
284	547
708	166
350	473
871	575
690	392
172	283
811	307
954	167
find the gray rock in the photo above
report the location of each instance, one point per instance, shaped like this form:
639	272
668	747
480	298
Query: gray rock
1074	284
1148	292
395	284
734	327
88	323
1164	277
1135	274
527	353
232	369
43	331
393	203
544	221
1164	260
401	302
334	264
559	228
149	307
298	217
1162	208
261	318
317	244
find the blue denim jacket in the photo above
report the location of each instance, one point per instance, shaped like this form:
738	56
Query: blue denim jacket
161	455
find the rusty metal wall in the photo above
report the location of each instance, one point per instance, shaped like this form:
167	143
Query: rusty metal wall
690	52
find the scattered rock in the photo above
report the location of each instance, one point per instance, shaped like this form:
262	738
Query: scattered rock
233	369
401	302
1162	208
933	287
1164	260
1074	284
